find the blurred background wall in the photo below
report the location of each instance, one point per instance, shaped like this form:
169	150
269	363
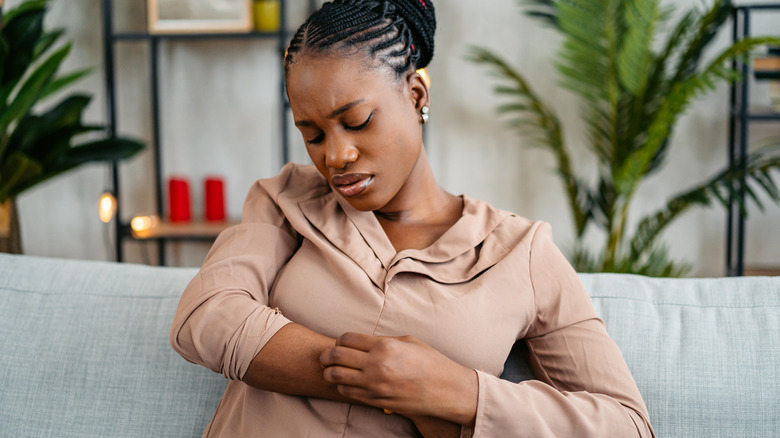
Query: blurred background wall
219	117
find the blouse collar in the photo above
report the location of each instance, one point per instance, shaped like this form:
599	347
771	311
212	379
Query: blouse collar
359	235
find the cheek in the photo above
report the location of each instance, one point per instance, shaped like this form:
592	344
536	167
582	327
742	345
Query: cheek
315	154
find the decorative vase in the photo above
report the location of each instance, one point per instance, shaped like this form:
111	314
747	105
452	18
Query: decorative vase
10	235
266	14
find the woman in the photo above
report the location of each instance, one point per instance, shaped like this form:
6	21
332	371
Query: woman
358	298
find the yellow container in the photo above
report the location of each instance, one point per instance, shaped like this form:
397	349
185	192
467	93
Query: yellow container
266	14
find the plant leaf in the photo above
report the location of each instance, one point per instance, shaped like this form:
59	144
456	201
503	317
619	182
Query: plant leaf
63	81
22	29
674	103
35	135
733	180
47	40
30	91
16	171
636	53
545	129
110	149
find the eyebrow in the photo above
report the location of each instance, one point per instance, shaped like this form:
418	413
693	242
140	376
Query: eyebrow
337	112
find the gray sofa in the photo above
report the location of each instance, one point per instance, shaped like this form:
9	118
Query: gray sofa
84	351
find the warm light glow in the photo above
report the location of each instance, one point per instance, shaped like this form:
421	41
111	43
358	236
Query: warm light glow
143	223
107	207
424	73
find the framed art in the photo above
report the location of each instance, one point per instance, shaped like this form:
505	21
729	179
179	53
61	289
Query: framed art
199	16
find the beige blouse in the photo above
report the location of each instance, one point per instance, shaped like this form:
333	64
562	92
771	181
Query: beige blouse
303	254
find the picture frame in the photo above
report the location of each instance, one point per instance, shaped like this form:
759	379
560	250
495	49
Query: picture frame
199	16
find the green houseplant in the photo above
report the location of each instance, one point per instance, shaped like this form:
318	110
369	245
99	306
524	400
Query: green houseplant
632	94
35	146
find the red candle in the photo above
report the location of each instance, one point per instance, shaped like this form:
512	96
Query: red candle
178	199
215	199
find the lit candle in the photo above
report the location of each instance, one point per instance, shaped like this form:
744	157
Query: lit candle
107	207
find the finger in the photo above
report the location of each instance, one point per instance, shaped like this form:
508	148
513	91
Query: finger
343	356
357	341
362	395
343	376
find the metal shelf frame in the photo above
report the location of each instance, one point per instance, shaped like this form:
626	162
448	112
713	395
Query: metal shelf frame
740	117
110	39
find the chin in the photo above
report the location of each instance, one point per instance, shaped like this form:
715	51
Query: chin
366	201
363	204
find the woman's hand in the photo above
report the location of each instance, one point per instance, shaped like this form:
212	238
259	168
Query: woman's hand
403	375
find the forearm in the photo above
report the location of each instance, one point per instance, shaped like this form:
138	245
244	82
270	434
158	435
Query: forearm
289	364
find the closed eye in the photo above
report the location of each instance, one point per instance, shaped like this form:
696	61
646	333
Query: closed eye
317	139
362	125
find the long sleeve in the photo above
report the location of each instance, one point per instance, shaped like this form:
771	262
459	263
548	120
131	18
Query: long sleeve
583	386
223	318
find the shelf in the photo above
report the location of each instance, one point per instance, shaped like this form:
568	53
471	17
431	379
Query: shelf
766	75
759	114
764	271
163	232
195	230
741	115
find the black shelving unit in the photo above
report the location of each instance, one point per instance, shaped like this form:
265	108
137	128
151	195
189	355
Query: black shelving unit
741	116
123	230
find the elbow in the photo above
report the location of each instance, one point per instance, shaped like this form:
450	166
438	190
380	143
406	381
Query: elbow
642	424
178	341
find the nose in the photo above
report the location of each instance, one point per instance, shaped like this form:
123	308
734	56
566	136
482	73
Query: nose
340	152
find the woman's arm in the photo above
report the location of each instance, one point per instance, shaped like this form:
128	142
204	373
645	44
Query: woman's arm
403	375
290	363
583	386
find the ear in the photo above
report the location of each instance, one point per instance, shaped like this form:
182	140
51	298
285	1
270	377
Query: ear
417	87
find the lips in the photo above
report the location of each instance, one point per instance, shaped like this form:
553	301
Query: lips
351	184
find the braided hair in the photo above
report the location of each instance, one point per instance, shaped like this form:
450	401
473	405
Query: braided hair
399	33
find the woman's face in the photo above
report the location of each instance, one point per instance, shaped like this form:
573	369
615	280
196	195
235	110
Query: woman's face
361	127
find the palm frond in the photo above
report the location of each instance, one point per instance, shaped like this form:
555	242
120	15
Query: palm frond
537	122
582	259
675	103
657	263
754	173
707	27
631	98
642	18
542	10
592	34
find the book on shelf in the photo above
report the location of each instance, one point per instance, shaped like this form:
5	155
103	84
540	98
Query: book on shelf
766	67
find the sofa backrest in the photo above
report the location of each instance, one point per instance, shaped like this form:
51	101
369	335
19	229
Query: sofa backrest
705	353
84	351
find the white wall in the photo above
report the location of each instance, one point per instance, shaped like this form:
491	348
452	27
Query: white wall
218	112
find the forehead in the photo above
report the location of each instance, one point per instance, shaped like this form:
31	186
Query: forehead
325	82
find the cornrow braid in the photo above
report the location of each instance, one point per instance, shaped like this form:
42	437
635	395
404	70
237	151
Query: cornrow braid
398	32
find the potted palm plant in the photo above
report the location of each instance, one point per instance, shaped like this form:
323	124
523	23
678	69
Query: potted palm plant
38	145
632	95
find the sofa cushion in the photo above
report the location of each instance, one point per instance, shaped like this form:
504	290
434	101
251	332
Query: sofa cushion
705	353
84	352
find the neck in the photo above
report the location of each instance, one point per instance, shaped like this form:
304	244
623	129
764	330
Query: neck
421	199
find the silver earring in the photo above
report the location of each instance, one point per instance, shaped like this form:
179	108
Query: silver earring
425	117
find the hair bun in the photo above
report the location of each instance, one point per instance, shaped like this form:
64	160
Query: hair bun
420	16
